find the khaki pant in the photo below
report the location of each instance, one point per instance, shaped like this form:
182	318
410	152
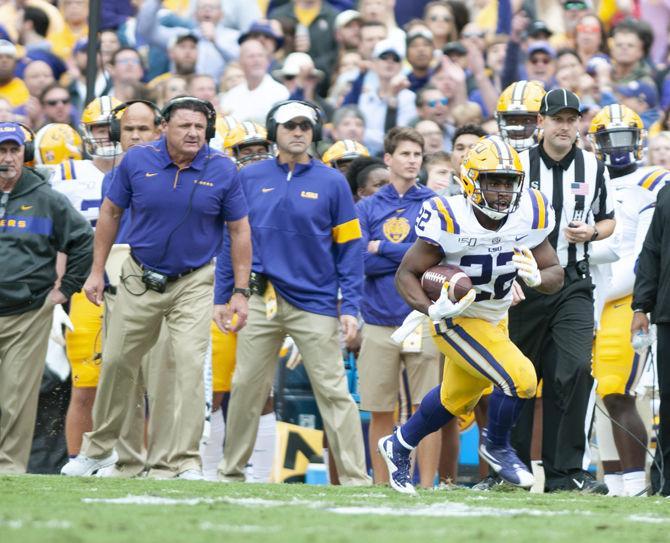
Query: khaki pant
317	338
380	364
23	347
157	378
134	327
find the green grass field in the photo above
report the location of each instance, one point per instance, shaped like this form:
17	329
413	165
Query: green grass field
49	509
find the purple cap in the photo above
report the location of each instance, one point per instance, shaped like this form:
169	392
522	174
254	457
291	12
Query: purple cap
12	132
541	47
639	89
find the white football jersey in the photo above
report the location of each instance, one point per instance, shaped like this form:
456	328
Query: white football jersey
81	182
635	197
485	255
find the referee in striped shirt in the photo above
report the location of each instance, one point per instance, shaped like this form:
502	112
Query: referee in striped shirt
556	331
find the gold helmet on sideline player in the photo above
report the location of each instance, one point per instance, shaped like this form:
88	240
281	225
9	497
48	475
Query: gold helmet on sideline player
516	113
617	134
223	125
248	142
342	153
492	156
57	142
96	115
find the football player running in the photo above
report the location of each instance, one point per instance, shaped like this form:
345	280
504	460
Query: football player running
81	182
617	134
480	232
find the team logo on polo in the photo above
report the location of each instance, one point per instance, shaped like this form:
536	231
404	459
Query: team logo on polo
396	229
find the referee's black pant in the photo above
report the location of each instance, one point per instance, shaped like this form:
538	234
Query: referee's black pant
555	332
660	482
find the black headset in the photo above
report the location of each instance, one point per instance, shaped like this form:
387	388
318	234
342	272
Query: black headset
115	122
29	144
210	131
271	123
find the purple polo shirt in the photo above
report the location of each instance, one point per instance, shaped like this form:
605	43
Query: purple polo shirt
178	215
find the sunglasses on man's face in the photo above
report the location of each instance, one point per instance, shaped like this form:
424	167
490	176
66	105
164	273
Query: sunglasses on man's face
434	103
292	125
57	101
575	5
540	60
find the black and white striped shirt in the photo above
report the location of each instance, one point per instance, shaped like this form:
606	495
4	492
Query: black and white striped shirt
577	188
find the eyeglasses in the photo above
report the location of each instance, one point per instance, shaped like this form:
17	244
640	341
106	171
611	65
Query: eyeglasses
135	61
444	18
389	56
434	103
575	5
479	35
57	101
539	60
292	125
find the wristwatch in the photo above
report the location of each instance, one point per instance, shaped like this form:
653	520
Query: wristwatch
246	292
595	233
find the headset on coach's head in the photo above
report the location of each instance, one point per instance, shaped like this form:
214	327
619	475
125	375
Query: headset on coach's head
210	130
271	123
115	121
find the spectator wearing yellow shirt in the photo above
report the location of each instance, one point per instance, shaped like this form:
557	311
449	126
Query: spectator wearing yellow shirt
12	88
75	13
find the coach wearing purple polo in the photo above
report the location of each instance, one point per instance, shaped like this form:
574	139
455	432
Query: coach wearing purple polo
180	193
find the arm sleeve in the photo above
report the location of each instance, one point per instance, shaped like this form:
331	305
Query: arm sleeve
504	17
373	264
224	279
394	251
510	72
150	29
347	247
120	190
603	202
74	237
354	94
646	279
235	204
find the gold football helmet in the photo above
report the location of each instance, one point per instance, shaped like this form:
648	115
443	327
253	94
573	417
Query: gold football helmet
95	115
56	143
617	134
342	152
223	125
489	167
241	137
516	113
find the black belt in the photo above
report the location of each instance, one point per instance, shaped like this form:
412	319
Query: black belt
170	278
578	270
111	289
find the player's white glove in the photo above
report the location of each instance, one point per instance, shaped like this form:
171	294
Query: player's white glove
524	262
60	318
444	308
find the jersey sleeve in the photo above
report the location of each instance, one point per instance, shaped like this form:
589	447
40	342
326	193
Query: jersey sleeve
436	222
541	216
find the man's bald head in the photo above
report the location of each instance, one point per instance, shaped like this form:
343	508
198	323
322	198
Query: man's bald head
138	125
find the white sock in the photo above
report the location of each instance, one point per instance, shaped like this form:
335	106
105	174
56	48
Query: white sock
264	449
634	483
212	452
614	482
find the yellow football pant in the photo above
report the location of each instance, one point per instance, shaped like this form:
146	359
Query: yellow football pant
223	358
83	345
480	354
616	366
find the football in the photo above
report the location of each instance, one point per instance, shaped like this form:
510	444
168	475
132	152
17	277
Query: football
433	279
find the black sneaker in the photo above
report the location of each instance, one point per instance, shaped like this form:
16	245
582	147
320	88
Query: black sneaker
579	481
488	483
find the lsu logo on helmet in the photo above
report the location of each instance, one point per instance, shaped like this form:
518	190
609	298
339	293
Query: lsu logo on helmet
489	164
94	127
617	134
56	143
516	113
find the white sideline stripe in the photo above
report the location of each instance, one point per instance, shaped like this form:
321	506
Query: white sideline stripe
450	510
159	500
17	524
244	528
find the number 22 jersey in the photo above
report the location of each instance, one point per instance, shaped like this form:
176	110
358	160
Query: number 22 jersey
485	255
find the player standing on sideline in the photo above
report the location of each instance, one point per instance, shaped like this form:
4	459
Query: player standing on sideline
386	219
617	134
180	193
516	113
479	232
307	247
81	182
35	224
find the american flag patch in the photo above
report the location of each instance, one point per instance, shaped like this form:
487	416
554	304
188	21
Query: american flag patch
579	189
